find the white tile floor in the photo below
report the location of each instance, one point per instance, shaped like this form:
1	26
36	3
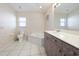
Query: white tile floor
24	48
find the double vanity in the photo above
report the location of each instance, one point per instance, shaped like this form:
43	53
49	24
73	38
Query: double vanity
61	43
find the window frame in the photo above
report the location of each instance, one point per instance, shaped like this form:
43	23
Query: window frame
62	22
22	23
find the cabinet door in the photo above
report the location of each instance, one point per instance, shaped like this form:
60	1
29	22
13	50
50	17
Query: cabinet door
59	46
54	49
67	50
52	46
46	44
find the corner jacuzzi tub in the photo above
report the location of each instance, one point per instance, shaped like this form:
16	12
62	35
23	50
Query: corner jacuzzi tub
37	38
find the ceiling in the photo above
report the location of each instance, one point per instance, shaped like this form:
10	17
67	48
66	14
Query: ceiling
33	7
21	7
67	7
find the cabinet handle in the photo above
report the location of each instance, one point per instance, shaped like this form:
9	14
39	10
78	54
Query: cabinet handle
60	50
55	40
64	55
74	53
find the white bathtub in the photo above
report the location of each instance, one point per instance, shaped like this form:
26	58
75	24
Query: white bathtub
37	38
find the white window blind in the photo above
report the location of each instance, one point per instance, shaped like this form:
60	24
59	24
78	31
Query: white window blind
22	21
62	22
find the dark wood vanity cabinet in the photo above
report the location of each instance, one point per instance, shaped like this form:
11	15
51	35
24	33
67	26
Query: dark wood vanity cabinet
56	47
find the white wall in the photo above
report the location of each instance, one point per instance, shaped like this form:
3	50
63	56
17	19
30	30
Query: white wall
50	19
35	21
7	17
7	24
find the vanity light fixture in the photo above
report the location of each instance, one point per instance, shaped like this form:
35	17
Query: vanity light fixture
56	5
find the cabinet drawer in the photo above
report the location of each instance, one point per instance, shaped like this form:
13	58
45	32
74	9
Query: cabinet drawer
54	49
51	37
47	35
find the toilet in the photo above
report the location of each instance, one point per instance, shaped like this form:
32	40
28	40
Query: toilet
20	36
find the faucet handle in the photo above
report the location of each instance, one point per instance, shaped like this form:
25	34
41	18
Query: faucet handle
57	30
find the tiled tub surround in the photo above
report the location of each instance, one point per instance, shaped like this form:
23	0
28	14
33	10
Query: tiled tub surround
63	42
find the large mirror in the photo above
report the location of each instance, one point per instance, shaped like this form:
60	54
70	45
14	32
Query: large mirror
66	16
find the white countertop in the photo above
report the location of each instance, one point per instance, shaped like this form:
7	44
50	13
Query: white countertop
72	39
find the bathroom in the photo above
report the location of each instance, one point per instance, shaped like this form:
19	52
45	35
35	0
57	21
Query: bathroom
25	27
